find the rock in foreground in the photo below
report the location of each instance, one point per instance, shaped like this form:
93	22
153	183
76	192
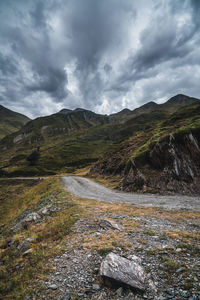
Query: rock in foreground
121	271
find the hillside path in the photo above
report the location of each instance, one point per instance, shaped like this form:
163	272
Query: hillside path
86	188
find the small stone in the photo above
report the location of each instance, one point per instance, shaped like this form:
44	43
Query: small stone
119	292
27	252
44	211
96	287
184	294
25	245
178	250
182	269
67	295
109	224
52	287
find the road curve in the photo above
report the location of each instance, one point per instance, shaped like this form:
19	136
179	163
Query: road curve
86	188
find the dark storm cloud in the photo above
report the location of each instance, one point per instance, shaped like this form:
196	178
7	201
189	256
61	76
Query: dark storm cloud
101	55
170	42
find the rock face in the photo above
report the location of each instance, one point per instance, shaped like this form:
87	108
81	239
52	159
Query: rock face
172	164
121	271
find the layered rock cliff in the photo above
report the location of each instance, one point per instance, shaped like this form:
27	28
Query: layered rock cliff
170	165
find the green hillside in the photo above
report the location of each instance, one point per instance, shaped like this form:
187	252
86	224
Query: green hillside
10	121
71	140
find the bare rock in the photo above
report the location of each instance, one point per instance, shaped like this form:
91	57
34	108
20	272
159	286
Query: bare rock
109	224
25	245
52	287
121	271
32	217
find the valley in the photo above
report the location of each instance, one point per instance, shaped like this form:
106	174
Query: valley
76	187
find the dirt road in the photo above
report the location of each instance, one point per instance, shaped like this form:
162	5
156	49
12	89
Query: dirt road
86	188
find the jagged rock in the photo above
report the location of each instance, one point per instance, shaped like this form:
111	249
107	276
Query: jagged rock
109	224
121	271
25	245
172	164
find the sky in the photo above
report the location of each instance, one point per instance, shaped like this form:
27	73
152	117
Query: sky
101	55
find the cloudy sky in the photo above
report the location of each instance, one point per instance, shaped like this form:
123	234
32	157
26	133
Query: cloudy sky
102	55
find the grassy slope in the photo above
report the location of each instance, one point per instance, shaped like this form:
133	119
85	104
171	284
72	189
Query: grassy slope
17	198
65	153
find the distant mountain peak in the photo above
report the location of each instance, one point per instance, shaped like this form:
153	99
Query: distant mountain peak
64	111
80	109
149	105
181	99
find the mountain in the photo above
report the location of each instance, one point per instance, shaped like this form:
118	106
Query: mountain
64	123
146	108
164	157
177	101
10	121
125	144
170	106
65	111
127	114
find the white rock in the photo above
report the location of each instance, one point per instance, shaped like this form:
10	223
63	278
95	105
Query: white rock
123	271
109	224
52	287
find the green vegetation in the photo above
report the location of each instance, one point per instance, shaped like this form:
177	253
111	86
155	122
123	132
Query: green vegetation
105	251
171	265
80	138
33	157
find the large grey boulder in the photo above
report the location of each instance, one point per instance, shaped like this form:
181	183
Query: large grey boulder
122	271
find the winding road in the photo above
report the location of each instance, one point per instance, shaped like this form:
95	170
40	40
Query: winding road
86	188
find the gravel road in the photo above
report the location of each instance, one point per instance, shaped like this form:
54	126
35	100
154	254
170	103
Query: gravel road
86	188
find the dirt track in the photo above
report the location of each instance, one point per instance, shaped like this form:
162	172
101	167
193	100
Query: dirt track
86	188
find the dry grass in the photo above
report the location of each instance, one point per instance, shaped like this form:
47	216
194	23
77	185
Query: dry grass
95	207
183	235
18	273
54	233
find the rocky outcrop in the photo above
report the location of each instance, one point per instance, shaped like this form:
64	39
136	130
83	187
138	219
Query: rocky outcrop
172	164
20	137
122	271
30	218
